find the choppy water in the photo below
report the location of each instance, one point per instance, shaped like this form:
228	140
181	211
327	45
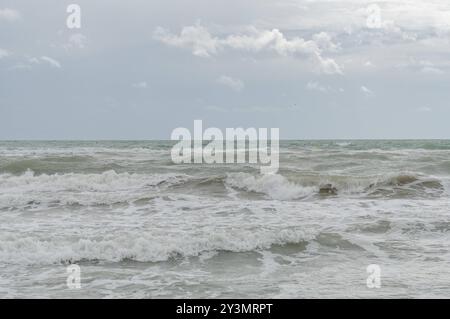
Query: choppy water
140	226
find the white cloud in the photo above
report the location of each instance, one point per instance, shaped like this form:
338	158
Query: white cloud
250	109
423	66
20	66
4	53
404	26
431	70
270	40
324	42
328	65
424	109
215	108
33	60
76	40
234	84
140	85
257	109
199	40
196	37
315	86
9	14
367	92
52	62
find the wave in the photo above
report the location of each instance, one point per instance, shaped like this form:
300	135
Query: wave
79	161
394	182
303	186
275	186
143	247
406	185
46	165
82	189
29	190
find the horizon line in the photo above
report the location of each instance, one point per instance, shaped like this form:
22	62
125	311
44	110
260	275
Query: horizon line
168	140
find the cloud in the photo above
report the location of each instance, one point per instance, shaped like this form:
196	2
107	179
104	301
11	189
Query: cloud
215	108
140	85
424	109
30	61
52	62
34	60
422	66
327	65
20	66
324	42
4	53
234	84
201	43
315	86
272	40
250	109
76	40
9	14
367	92
431	70
196	37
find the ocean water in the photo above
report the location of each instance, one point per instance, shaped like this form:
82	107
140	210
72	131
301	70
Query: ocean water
140	226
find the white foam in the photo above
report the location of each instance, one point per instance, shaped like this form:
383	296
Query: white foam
274	185
143	247
85	189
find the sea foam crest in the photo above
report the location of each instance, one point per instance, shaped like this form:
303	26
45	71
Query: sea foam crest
103	188
273	185
143	247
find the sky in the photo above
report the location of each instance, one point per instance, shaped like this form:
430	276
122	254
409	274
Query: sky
139	69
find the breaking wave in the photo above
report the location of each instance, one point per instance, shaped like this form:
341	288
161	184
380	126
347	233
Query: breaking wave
110	187
143	247
83	189
299	187
275	186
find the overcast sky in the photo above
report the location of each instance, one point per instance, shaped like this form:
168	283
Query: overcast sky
137	69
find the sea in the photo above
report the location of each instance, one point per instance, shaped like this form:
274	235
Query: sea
340	219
